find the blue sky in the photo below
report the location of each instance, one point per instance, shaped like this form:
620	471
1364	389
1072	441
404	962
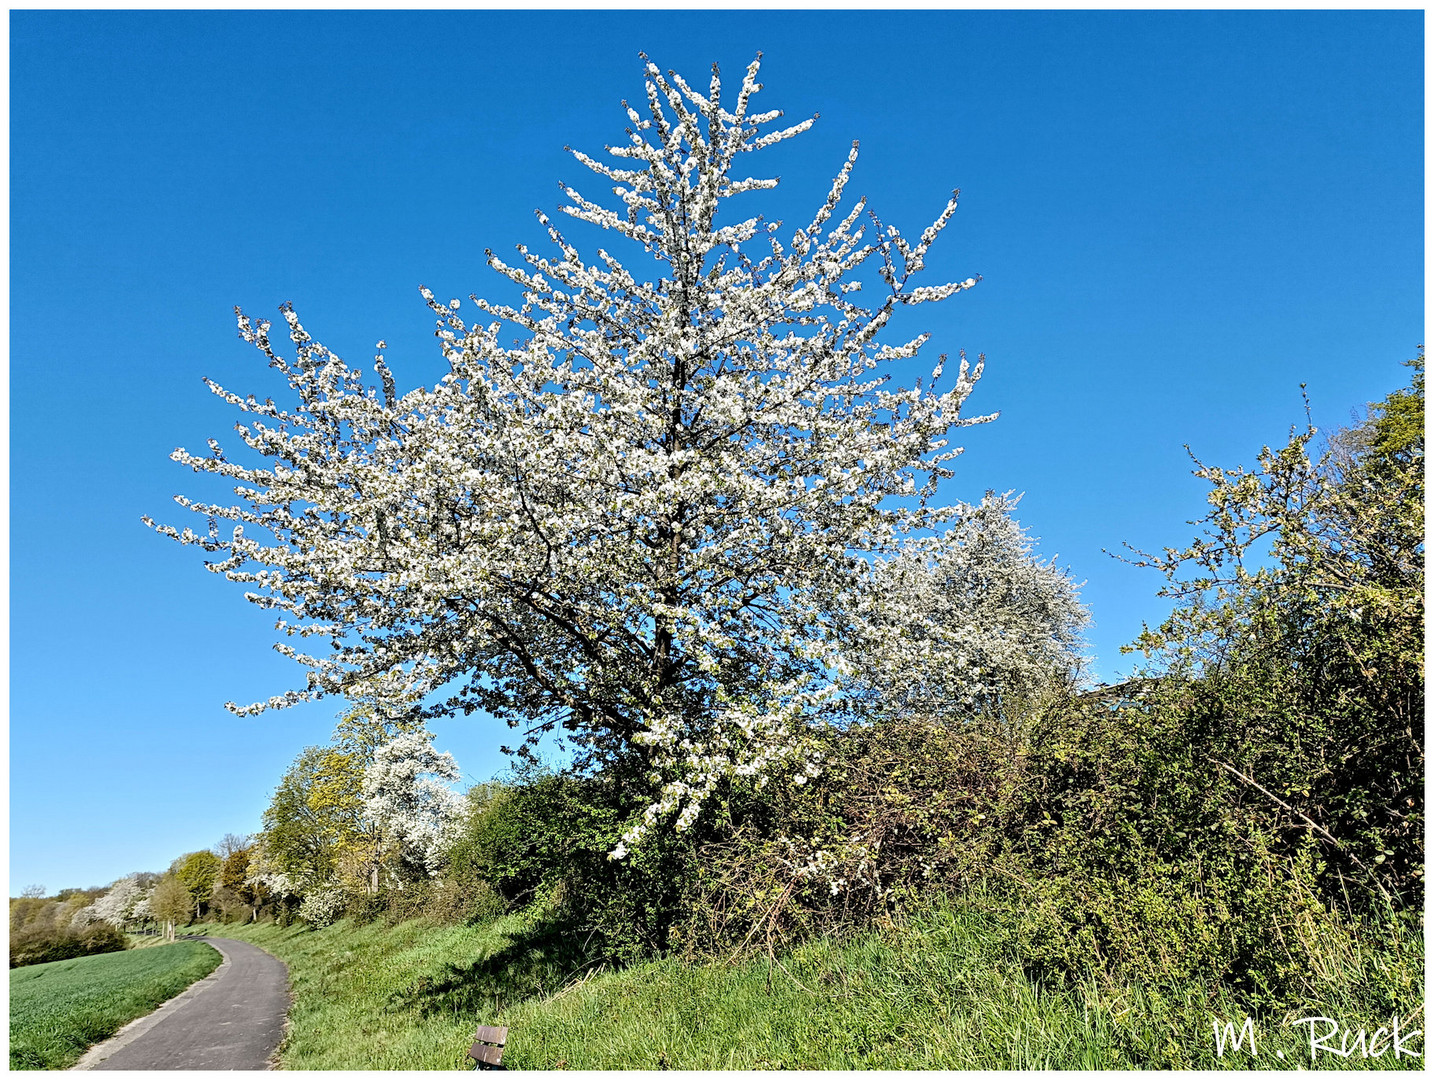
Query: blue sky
1177	217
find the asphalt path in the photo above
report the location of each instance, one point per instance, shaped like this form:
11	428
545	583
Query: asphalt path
231	1019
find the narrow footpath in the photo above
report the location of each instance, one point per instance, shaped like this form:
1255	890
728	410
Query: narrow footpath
231	1019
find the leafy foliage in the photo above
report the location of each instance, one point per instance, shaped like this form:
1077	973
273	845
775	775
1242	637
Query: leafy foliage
52	928
315	814
171	902
1211	820
198	872
1311	664
44	944
544	839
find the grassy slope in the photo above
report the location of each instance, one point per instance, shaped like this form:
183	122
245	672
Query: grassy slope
941	993
60	1009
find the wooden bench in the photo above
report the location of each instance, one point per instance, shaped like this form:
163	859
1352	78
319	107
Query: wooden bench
487	1052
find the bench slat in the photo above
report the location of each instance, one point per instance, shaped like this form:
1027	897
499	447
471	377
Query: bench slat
485	1054
497	1035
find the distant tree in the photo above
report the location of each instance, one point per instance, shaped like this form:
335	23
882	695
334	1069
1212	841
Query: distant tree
315	815
33	892
234	878
117	906
228	905
198	872
235	867
171	903
265	881
963	623
318	828
406	793
231	843
362	731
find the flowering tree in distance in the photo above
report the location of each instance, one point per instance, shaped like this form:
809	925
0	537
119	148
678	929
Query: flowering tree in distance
965	623
632	522
406	794
117	906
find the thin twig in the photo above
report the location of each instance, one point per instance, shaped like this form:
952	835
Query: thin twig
1309	822
766	918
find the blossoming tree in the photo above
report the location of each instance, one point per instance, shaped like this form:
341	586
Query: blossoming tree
119	905
406	794
631	522
962	624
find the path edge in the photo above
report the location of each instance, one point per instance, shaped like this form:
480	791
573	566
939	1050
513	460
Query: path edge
137	1027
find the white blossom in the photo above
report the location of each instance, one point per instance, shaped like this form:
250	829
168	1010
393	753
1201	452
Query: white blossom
631	522
961	623
322	906
118	906
406	794
273	884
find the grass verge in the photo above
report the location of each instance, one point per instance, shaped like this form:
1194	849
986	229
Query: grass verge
59	1010
943	992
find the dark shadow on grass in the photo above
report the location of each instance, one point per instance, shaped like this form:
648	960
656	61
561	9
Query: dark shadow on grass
535	962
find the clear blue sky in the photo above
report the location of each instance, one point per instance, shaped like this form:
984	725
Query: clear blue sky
1178	218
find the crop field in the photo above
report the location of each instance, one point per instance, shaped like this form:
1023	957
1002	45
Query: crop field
59	1010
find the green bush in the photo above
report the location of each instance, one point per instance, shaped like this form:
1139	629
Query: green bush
42	944
1305	662
545	837
1211	821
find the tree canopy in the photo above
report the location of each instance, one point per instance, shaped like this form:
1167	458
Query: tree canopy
642	522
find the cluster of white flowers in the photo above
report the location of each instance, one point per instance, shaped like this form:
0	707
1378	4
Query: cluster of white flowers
119	906
406	794
852	863
273	884
961	623
633	522
322	906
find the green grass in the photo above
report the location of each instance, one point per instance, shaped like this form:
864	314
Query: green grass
59	1010
942	992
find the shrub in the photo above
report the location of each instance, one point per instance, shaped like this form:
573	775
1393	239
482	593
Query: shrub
1306	667
1211	820
897	815
322	906
548	834
42	944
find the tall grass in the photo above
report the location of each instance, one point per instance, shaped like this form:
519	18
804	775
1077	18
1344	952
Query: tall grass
944	991
58	1010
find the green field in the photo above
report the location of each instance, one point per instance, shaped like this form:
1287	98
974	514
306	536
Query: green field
942	992
59	1010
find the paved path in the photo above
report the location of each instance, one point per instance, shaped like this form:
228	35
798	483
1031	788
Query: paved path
232	1019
